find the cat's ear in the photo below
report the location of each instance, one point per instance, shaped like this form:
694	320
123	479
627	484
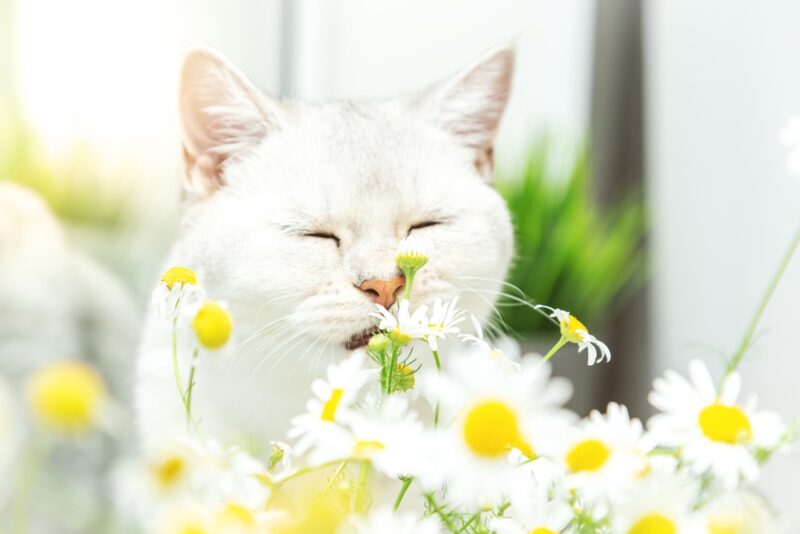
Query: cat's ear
222	114
471	104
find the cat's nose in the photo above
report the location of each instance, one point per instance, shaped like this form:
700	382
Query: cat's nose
384	292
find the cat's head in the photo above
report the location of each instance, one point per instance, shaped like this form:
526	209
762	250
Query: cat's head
295	210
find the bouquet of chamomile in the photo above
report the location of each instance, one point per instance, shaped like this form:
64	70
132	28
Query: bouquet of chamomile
403	437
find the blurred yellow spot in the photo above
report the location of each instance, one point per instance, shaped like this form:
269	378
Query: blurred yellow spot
725	524
491	429
234	515
588	455
213	325
178	275
654	524
725	424
366	449
571	329
169	471
542	531
330	406
67	395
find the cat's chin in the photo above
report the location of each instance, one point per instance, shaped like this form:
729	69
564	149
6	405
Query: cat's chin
360	339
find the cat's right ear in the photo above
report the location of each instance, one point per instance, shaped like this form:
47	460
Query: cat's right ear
222	115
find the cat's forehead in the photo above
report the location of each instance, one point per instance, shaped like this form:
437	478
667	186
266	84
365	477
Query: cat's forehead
373	157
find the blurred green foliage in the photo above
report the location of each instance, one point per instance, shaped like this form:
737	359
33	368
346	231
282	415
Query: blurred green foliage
72	187
571	253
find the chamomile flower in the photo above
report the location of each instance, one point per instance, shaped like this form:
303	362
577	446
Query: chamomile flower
177	287
487	412
659	504
68	396
384	521
331	405
534	506
212	325
740	512
413	253
605	454
406	325
390	436
714	433
504	358
574	331
444	320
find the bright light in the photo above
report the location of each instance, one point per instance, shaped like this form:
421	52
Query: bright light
99	73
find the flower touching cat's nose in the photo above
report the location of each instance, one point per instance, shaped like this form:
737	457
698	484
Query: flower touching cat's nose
384	292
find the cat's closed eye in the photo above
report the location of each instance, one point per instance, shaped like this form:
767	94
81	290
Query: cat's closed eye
324	235
421	225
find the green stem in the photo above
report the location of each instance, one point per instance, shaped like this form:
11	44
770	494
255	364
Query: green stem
334	476
189	388
403	490
441	513
360	503
175	368
305	471
736	359
37	459
560	343
410	273
437	360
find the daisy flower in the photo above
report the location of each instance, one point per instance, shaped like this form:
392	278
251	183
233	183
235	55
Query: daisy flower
413	253
740	512
177	287
659	504
605	453
211	324
69	396
444	320
496	353
384	521
531	508
574	331
488	411
331	405
714	433
406	325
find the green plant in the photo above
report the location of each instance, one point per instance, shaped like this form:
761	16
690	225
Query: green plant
571	252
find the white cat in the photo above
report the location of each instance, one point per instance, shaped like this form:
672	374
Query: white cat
293	214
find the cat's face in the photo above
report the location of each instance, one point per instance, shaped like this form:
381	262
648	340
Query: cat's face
297	205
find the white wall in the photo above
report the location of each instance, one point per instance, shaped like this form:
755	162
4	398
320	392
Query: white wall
723	78
376	48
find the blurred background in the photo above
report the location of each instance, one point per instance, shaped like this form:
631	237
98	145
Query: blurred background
639	156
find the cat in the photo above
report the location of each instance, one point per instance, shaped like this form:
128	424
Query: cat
292	215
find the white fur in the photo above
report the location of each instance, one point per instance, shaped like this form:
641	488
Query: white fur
365	172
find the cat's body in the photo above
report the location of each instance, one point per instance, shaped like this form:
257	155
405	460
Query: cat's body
294	206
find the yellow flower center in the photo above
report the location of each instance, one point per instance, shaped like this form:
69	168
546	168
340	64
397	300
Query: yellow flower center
67	395
367	449
235	515
330	406
542	530
398	336
725	524
169	471
588	455
178	275
411	261
570	326
491	429
193	528
213	325
725	424
654	524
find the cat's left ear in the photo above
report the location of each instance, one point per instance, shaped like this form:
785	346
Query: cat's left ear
471	104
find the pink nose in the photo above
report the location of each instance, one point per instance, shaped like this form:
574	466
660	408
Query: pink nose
384	292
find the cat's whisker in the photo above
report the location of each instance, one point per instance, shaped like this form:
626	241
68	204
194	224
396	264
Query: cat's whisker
292	340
